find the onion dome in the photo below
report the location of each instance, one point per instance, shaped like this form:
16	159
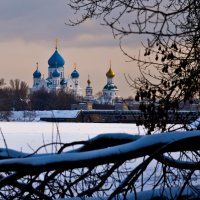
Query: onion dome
49	82
110	73
56	73
63	82
75	74
56	60
88	81
37	73
110	87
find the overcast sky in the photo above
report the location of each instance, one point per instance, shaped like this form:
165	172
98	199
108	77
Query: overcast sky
28	33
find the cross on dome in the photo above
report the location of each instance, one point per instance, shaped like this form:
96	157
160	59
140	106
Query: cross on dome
110	73
37	73
56	44
88	81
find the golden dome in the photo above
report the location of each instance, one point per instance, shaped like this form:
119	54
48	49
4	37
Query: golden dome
110	73
88	81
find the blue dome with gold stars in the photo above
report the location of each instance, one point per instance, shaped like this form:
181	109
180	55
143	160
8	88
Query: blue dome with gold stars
56	60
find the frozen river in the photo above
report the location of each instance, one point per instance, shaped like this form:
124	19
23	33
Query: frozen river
26	136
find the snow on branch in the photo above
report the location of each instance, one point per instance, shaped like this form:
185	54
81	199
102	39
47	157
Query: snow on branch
104	149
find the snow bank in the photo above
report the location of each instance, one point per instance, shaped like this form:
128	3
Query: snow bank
36	115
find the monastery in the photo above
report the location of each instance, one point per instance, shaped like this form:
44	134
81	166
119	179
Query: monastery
56	80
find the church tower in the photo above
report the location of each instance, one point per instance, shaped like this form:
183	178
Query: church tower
36	78
56	79
110	89
73	83
88	91
56	63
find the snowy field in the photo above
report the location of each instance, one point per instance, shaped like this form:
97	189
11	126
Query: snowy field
26	136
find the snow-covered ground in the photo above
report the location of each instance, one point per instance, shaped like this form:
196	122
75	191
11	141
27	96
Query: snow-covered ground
26	131
23	135
36	115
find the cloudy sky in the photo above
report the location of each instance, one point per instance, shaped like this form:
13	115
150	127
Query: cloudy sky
28	33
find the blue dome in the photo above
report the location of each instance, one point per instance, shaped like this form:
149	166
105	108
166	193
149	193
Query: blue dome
36	74
56	60
56	73
75	74
63	82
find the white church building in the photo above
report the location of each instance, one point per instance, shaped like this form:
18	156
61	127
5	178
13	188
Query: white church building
56	81
56	77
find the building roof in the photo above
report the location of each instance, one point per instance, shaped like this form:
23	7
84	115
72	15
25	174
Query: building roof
63	82
110	87
110	73
36	74
56	60
75	74
88	81
56	73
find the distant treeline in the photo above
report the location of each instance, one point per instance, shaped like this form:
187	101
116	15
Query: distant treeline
17	96
43	100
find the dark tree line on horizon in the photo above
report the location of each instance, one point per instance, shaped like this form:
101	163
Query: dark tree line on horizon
12	95
44	100
17	96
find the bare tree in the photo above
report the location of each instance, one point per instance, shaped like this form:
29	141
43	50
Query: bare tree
19	91
121	166
169	35
44	100
2	82
105	167
158	20
20	87
5	101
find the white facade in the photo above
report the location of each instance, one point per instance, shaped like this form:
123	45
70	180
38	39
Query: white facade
56	78
56	81
109	90
89	92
